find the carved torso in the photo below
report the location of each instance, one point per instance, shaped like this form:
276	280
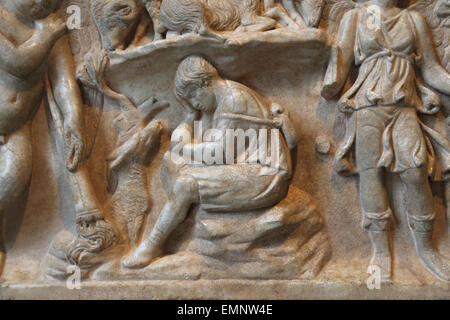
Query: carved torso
238	101
19	97
385	51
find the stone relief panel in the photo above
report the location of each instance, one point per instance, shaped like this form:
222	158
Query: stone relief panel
225	140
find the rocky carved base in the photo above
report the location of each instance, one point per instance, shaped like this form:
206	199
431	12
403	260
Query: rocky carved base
288	241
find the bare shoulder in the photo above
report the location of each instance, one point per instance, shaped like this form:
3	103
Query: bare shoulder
237	98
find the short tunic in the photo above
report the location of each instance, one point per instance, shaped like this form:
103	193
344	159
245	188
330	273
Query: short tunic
386	96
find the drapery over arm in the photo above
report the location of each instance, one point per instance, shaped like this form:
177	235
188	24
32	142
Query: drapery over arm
433	73
341	56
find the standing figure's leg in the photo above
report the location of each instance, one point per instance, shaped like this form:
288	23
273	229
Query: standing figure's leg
377	217
2	245
15	175
184	194
374	198
421	217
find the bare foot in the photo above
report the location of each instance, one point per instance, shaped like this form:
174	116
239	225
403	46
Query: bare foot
142	256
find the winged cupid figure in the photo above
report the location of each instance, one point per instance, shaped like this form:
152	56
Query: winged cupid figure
387	44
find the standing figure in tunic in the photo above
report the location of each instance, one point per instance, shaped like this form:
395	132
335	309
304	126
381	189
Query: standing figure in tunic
384	133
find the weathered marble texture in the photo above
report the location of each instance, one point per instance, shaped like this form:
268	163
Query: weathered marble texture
283	66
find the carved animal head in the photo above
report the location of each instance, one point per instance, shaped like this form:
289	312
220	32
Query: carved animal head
116	21
442	10
312	11
35	9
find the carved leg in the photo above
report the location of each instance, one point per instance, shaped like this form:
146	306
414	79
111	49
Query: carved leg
87	206
447	200
379	236
377	216
153	8
2	245
15	175
159	31
184	194
421	220
422	231
205	31
257	24
284	19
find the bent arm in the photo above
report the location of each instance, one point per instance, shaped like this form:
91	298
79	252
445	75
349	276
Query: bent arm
433	73
22	60
342	56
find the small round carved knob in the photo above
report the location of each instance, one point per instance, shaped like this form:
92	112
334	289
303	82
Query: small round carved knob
323	145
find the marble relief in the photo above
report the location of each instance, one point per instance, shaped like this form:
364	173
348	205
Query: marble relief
281	144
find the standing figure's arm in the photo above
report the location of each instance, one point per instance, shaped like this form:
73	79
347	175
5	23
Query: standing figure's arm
68	98
433	73
342	56
24	59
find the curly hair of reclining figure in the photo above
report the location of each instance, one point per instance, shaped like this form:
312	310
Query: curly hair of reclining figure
193	72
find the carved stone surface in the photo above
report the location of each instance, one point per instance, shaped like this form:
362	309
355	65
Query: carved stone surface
207	149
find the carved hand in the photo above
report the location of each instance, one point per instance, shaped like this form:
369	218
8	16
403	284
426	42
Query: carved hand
430	109
52	26
74	145
191	117
346	106
96	65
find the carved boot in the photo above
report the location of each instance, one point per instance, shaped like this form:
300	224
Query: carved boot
377	226
422	230
381	256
